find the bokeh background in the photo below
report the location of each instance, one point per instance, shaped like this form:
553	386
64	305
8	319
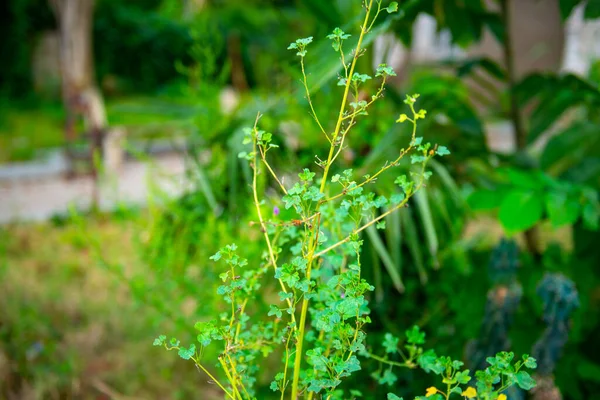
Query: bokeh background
120	128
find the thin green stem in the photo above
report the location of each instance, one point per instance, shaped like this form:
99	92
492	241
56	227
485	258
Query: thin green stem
338	125
390	362
236	376
261	220
383	169
312	246
236	393
312	109
212	377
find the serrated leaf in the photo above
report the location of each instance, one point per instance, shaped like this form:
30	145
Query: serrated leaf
442	151
186	354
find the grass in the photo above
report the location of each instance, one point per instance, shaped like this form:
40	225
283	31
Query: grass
73	328
27	127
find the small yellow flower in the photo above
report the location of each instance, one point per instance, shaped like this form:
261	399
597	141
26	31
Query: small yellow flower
469	393
502	397
431	391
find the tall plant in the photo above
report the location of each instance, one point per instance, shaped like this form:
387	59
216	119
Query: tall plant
315	330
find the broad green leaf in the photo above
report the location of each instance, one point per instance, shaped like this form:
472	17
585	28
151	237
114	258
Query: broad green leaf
549	110
562	210
520	210
524	179
525	381
483	200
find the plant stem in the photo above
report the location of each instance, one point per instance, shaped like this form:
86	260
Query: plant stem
236	376
263	157
263	226
362	228
390	362
212	377
236	393
383	169
304	310
338	125
312	109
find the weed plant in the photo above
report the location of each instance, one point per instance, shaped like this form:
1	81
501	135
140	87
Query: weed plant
314	331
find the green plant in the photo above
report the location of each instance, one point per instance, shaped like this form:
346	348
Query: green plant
310	271
524	198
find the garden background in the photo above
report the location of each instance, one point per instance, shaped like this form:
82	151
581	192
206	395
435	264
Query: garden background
120	177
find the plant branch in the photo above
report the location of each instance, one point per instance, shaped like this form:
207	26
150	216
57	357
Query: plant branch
312	109
304	309
263	226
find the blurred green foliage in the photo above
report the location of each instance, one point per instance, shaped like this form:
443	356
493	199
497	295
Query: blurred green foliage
150	47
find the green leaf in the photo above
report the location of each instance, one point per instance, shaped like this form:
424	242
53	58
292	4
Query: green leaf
390	343
274	310
384	70
392	396
186	354
591	214
463	377
393	7
360	77
525	381
562	210
388	378
550	109
415	336
306	175
442	151
524	179
414	243
484	200
531	363
385	257
159	341
520	210
426	216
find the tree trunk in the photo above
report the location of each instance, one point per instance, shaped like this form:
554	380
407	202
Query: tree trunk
77	68
80	95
